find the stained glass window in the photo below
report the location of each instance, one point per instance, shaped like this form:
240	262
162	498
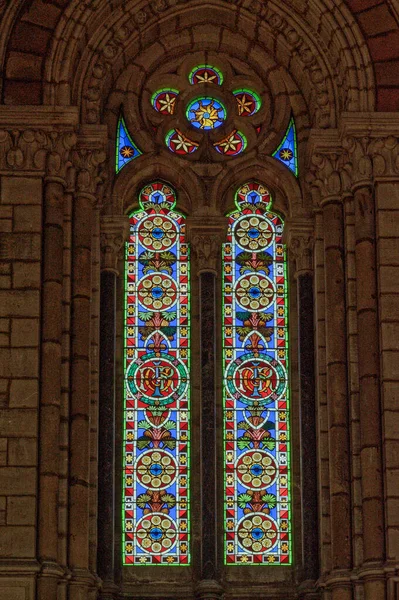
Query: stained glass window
257	520
233	144
156	522
248	102
164	101
205	74
287	151
126	149
206	113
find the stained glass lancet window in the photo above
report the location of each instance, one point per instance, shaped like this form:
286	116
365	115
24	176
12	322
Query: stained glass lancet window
156	433
257	521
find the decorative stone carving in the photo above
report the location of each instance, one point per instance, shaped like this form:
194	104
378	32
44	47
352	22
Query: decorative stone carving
206	241
36	150
301	249
114	233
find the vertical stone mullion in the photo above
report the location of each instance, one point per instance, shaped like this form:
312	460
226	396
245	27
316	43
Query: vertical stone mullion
206	243
208	423
51	345
321	404
80	396
337	396
65	392
114	231
353	377
369	382
300	245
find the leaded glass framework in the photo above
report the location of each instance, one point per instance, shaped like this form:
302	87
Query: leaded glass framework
257	520
156	521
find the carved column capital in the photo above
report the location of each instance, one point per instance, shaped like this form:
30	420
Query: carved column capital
114	233
325	177
300	242
206	238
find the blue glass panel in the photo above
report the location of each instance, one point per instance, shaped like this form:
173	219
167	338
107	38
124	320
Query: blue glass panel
126	149
287	151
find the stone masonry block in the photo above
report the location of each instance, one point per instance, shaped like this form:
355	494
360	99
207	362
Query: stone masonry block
24	332
19	481
19	304
21	511
27	218
24	393
18	422
388	250
5	225
389	280
387	223
392	456
21	64
22	452
5	282
390	365
26	275
21	361
4	340
390	394
17	542
391	425
390	336
389	307
21	190
20	246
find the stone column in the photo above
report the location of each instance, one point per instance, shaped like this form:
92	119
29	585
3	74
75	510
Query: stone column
114	232
50	397
206	244
369	386
337	394
327	187
301	244
51	364
79	468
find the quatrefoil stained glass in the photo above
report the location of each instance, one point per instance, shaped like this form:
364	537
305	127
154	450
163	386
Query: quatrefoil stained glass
156	525
257	520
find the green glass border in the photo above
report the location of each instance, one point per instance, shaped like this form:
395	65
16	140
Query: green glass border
258	99
192	73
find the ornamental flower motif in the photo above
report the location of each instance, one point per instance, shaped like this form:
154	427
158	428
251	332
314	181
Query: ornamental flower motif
257	470
253	234
156	533
257	533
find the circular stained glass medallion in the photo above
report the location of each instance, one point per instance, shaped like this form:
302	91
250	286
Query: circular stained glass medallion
157	232
254	291
248	102
256	381
205	74
206	113
157	291
254	233
157	381
233	144
256	469
257	533
156	470
164	101
156	533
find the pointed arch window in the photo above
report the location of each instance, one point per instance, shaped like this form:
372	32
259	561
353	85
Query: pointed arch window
257	520
157	413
